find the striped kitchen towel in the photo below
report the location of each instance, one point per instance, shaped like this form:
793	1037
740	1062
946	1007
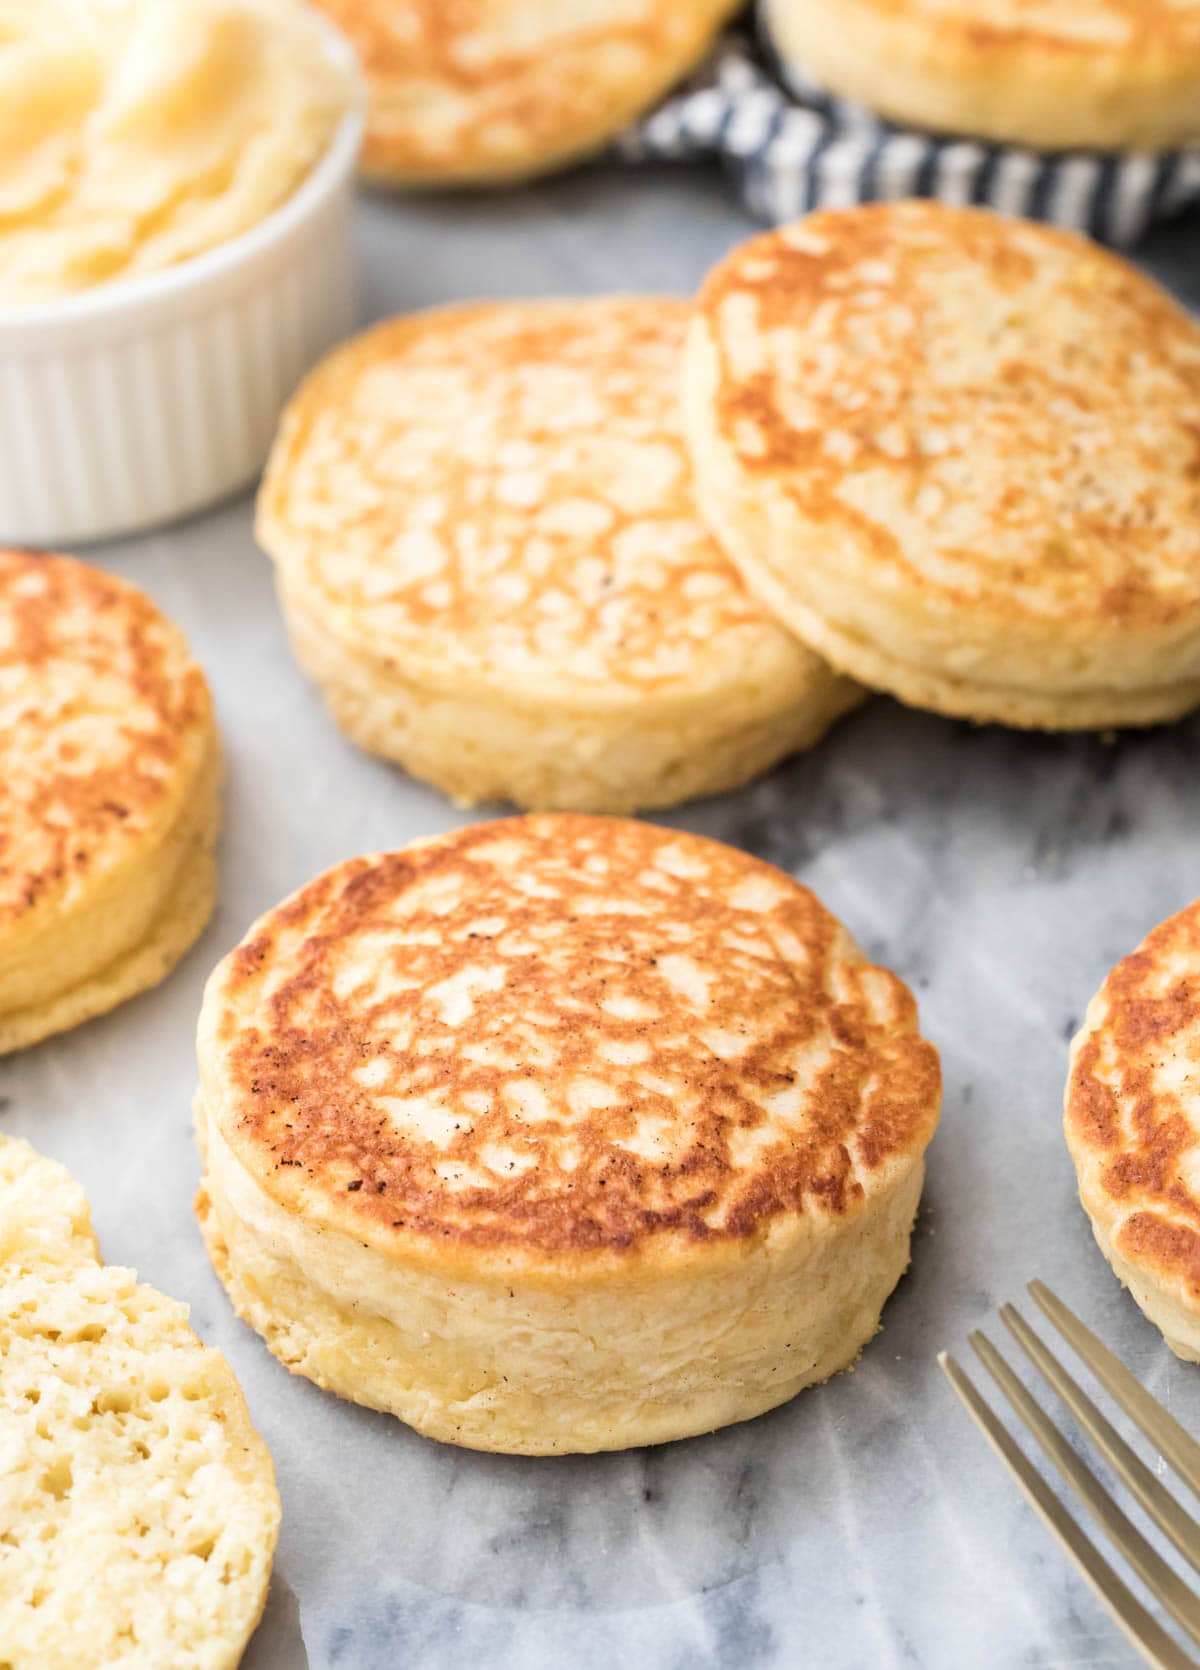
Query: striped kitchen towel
791	147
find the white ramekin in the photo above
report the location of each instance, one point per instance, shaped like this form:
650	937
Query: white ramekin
143	399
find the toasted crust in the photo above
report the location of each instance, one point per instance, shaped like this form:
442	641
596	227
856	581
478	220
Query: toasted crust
110	763
1133	1124
106	721
481	90
489	554
560	1133
960	455
190	895
1096	73
560	1035
138	1502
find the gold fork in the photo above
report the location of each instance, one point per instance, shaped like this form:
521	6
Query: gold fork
1175	1446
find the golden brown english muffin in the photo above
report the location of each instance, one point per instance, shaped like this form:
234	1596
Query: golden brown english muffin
960	456
110	765
138	1503
560	1134
1051	73
481	91
1133	1125
490	560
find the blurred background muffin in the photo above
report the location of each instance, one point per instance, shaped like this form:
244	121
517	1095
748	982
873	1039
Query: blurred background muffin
469	91
1102	74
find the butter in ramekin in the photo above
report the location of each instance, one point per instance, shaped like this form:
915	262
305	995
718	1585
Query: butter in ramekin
137	133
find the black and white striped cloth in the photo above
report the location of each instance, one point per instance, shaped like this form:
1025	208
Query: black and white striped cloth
791	147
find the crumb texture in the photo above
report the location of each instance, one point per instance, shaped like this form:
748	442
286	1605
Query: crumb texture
138	1511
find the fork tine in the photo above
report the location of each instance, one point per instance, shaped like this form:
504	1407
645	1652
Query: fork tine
1146	1634
1163	1430
1172	1519
1166	1585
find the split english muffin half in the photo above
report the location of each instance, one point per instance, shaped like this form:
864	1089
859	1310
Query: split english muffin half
138	1503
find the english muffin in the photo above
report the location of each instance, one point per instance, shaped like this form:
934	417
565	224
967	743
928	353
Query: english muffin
138	1503
479	91
1096	73
110	765
490	560
958	455
1133	1125
559	1134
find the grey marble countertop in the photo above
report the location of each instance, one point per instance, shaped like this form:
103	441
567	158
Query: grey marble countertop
864	1525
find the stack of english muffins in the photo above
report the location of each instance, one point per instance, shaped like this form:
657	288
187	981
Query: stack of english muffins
610	554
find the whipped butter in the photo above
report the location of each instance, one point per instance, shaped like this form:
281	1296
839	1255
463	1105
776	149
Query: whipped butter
137	133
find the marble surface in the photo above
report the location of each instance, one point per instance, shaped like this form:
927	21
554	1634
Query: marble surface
865	1524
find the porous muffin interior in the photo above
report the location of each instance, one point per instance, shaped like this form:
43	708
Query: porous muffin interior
140	1512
